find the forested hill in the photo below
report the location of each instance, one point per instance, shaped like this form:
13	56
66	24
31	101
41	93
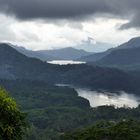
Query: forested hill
18	66
124	130
14	65
130	56
126	56
53	111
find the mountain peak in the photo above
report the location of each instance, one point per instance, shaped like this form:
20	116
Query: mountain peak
134	39
6	47
132	43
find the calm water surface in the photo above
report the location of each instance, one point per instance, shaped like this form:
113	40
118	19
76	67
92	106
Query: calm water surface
65	62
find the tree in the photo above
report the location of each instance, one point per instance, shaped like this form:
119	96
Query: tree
124	130
12	120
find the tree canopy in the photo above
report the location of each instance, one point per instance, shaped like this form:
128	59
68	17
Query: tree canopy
12	120
124	130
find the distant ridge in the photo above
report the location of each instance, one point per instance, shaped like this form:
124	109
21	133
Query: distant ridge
57	54
130	56
132	43
94	57
125	56
16	66
34	54
102	57
68	53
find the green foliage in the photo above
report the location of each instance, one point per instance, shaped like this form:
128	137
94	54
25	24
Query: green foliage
49	107
53	110
39	95
124	130
12	120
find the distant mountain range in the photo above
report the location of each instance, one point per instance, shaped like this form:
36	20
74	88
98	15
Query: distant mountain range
95	56
125	56
35	54
58	54
94	47
14	65
130	56
133	43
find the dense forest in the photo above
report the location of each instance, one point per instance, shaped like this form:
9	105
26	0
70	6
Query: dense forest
124	130
53	111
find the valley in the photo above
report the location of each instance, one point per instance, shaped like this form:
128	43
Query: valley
69	95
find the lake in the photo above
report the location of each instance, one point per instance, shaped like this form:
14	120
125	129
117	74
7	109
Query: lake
99	98
65	62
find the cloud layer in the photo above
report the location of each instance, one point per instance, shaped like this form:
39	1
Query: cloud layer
73	9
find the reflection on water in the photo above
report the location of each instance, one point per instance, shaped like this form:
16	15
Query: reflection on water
65	62
98	99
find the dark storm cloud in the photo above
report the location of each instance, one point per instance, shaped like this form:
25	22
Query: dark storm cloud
73	9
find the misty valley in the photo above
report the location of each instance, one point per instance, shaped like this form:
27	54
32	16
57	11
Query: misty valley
101	98
120	99
72	99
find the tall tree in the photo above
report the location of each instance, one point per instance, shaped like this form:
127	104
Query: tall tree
12	120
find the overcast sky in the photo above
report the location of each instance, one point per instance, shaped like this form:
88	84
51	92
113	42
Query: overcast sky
48	24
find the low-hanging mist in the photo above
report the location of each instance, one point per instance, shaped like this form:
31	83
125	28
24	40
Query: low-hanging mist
105	98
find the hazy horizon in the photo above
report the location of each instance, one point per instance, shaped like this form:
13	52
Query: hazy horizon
86	46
